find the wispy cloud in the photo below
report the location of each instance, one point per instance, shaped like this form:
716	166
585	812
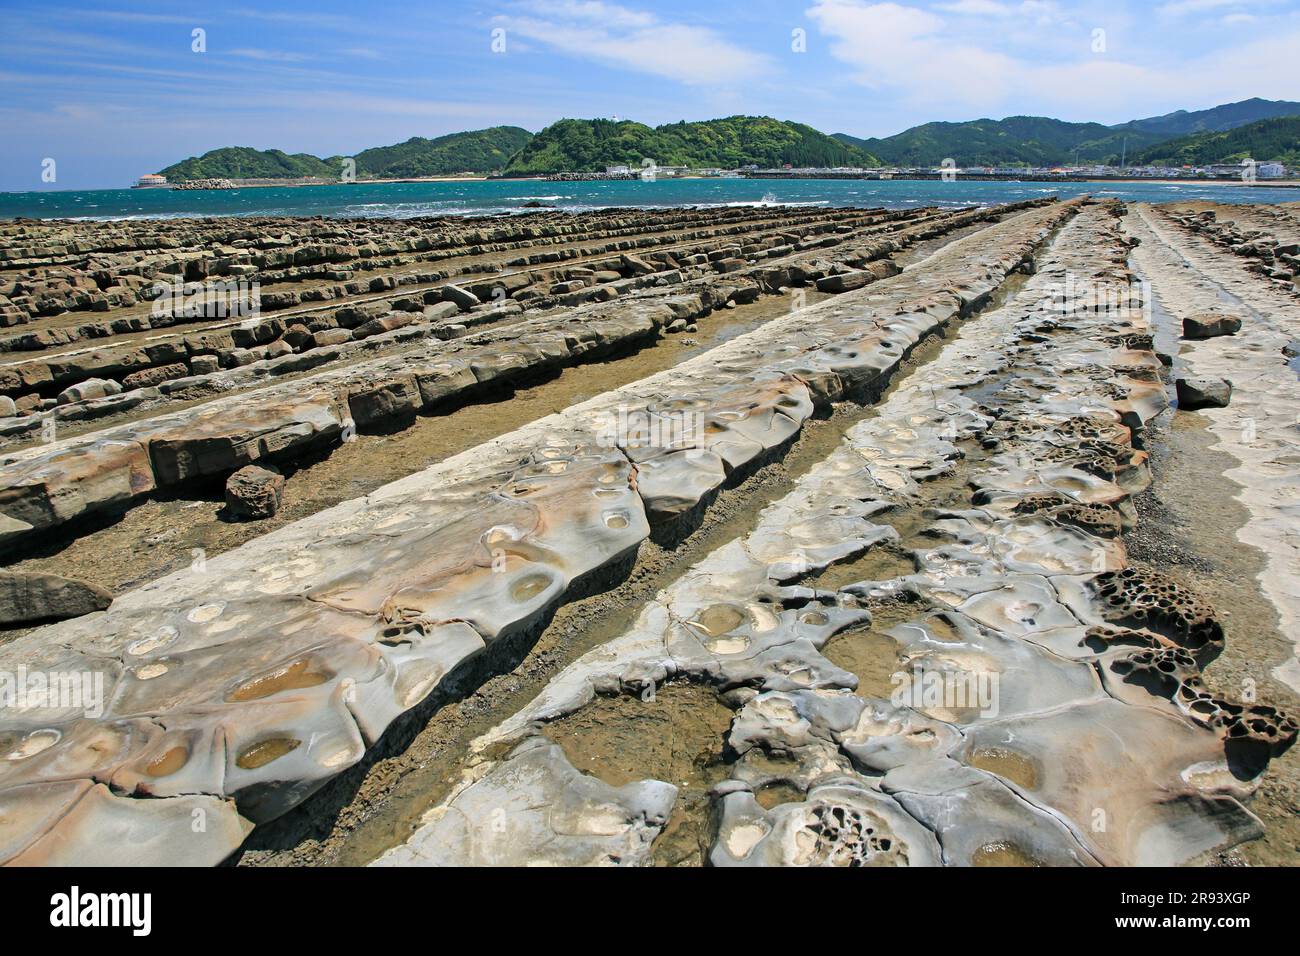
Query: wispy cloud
1180	7
134	16
938	67
635	40
314	19
979	8
273	56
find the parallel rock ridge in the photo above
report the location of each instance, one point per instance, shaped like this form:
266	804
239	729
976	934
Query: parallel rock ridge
1268	239
284	409
325	317
589	258
231	695
1081	734
63	267
1258	429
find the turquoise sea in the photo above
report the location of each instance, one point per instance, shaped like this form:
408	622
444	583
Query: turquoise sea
405	200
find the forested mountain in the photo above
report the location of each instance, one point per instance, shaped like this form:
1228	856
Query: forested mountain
1016	140
479	151
1219	118
1042	141
1270	139
476	151
1256	127
244	162
575	145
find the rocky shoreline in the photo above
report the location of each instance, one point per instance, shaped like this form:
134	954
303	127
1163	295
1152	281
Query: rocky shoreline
993	475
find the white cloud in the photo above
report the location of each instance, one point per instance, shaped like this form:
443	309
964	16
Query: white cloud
978	8
635	40
1039	11
891	46
935	69
593	11
1180	7
271	56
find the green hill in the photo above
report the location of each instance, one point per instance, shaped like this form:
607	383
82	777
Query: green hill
244	162
1041	141
477	151
574	145
1266	140
1016	140
1218	119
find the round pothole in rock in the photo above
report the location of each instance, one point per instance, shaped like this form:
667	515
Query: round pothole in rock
529	586
296	676
168	762
264	751
776	793
718	619
147	645
17	747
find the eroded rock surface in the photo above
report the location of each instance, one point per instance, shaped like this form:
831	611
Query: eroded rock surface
1043	699
254	492
541	809
274	669
374	364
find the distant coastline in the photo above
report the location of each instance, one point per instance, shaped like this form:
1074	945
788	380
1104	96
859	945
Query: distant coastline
495	197
293	183
773	177
1208	144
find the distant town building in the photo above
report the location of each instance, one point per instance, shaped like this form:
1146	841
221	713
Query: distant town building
1229	170
1270	170
151	181
617	170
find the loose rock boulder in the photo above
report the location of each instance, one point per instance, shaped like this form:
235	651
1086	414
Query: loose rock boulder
1196	393
90	388
254	492
462	298
1210	325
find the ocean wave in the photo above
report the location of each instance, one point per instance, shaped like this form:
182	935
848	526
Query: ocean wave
410	200
140	217
743	204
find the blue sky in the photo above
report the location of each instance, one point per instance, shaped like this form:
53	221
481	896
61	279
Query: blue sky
114	90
